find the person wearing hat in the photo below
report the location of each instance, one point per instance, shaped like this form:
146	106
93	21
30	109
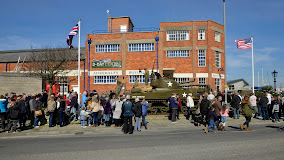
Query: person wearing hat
173	103
189	104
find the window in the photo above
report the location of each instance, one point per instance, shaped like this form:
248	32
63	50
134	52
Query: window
123	28
201	34
181	80
201	81
231	87
177	53
132	78
177	35
141	47
218	84
217	36
217	59
108	48
201	58
105	79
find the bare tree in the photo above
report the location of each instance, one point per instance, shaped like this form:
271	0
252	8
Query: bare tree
52	63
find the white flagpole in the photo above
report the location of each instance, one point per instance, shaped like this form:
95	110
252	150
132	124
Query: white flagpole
79	69
252	65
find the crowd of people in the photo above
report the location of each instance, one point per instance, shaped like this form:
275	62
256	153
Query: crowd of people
214	112
54	109
118	111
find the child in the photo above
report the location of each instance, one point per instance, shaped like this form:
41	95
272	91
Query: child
224	114
211	117
275	111
83	117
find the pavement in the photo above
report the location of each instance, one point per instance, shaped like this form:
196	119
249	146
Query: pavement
156	123
162	141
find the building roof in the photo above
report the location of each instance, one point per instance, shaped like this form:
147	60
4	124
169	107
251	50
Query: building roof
237	80
11	56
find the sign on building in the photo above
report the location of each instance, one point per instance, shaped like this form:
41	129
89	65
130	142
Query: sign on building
103	64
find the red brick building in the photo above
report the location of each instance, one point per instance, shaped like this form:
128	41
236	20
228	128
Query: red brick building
194	49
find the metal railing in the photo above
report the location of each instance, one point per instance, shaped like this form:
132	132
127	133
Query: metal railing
126	30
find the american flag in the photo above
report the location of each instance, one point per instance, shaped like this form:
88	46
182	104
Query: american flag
73	33
244	43
107	60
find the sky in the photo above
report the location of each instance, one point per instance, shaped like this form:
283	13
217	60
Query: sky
34	23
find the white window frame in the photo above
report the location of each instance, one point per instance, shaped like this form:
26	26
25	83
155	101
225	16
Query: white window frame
132	78
217	36
201	34
217	59
123	29
201	80
200	55
178	35
107	48
182	53
217	80
182	79
141	47
105	79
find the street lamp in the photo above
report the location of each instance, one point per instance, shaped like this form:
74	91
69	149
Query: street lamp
157	40
89	43
274	74
220	70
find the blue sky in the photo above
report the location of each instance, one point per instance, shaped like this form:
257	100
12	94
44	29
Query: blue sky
40	23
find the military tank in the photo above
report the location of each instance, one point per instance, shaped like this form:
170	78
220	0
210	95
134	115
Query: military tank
160	90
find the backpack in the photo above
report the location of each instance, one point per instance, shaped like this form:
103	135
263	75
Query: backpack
127	109
14	113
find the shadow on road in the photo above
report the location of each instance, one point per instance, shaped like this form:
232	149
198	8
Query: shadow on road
237	128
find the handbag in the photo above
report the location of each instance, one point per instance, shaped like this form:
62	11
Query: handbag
38	113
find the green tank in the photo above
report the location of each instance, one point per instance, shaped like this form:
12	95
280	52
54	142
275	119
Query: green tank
161	89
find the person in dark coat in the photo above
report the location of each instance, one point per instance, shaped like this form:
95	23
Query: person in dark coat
107	112
13	115
204	107
127	112
236	101
74	106
263	104
61	105
23	111
138	114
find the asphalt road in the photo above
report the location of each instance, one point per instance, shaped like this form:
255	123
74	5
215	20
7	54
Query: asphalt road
265	142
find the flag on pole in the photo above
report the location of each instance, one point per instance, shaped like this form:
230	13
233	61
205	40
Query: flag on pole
73	33
107	60
244	43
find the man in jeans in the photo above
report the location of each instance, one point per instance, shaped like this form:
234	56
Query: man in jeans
189	105
263	104
173	106
236	105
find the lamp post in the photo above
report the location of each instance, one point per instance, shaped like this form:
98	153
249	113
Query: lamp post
89	43
157	42
220	70
274	74
224	20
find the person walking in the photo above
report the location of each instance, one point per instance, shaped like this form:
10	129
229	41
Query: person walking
51	106
107	112
217	109
189	105
236	100
138	114
117	106
173	103
145	105
61	106
211	116
263	104
3	109
96	108
247	110
252	100
204	107
127	110
13	116
224	114
275	110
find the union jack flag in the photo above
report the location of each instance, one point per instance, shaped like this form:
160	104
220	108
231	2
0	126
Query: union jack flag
73	33
107	60
244	43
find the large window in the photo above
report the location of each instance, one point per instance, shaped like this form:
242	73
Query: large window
177	53
201	34
202	81
201	58
105	79
181	80
218	84
217	59
132	78
141	47
217	36
108	48
177	35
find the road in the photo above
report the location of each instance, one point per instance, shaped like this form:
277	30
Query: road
265	142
